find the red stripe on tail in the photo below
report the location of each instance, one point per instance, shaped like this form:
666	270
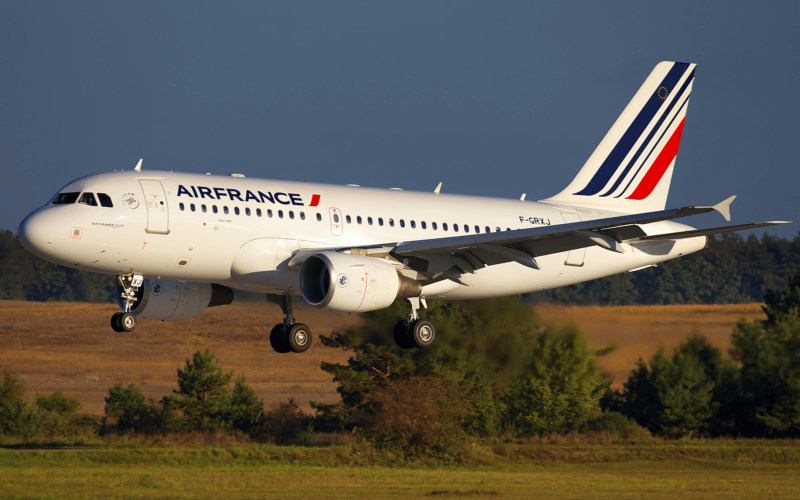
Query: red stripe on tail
659	167
314	200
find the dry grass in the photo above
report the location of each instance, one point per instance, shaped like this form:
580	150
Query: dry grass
638	331
71	347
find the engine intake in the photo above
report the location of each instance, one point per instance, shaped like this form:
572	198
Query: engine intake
341	282
162	299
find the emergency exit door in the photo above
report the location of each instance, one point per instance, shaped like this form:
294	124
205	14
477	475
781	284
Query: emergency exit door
157	209
336	222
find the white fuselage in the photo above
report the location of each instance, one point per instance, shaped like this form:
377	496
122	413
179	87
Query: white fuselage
193	234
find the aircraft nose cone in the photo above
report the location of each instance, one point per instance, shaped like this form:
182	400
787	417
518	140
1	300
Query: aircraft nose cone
37	232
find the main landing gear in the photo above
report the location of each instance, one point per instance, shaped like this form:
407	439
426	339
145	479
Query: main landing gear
126	321
288	336
414	332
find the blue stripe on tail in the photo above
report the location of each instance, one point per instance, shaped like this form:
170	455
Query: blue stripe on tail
635	130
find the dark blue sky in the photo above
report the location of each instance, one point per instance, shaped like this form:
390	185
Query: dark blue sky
492	98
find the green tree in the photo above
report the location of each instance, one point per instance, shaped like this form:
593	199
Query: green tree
246	408
673	396
129	406
203	394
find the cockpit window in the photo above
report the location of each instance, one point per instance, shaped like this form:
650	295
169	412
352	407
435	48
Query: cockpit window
87	199
65	198
105	200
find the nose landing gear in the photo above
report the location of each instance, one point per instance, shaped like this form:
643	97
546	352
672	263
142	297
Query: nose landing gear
288	336
414	332
126	321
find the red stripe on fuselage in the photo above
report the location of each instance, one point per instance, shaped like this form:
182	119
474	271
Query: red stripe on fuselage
314	200
659	167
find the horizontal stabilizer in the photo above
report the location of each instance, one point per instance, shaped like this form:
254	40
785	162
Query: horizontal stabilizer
707	232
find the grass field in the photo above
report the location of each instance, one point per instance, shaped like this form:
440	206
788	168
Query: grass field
71	347
716	469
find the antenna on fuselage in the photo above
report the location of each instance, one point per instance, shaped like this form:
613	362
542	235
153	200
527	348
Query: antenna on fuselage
139	165
438	188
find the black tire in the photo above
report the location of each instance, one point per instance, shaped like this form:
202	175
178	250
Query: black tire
299	338
127	322
401	336
278	340
423	333
115	322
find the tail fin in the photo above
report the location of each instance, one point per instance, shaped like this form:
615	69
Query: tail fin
631	168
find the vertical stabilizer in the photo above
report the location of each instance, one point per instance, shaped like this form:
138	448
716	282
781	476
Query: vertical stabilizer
631	168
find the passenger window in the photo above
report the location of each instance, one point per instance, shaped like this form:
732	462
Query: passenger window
497	230
105	200
225	210
302	216
466	228
369	220
291	214
402	223
358	219
336	218
444	226
203	208
455	227
269	213
391	222
477	229
433	225
247	211
65	199
348	219
192	207
488	229
319	216
380	221
423	225
181	206
258	212
280	214
87	199
413	225
236	210
214	208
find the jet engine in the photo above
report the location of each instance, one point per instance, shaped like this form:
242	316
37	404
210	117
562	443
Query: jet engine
162	299
342	282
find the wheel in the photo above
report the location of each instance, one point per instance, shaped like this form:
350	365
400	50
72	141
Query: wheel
401	337
299	337
115	322
127	322
277	340
423	333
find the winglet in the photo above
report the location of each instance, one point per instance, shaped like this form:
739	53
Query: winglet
724	207
139	165
438	188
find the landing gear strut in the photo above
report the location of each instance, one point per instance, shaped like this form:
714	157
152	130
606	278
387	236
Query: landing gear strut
288	336
125	321
414	332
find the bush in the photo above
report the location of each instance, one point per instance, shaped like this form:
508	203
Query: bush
534	406
281	424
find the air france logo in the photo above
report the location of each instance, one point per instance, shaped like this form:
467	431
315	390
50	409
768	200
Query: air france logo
129	200
157	288
217	193
343	280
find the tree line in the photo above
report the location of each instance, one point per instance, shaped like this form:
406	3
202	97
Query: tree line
731	270
495	370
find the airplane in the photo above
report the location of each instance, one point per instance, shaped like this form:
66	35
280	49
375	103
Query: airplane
181	242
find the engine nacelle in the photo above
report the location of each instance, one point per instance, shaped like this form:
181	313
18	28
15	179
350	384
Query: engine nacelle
343	282
162	299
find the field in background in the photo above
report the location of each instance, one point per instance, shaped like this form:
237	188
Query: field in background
71	347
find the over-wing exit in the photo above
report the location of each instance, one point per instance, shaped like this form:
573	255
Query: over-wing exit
181	242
